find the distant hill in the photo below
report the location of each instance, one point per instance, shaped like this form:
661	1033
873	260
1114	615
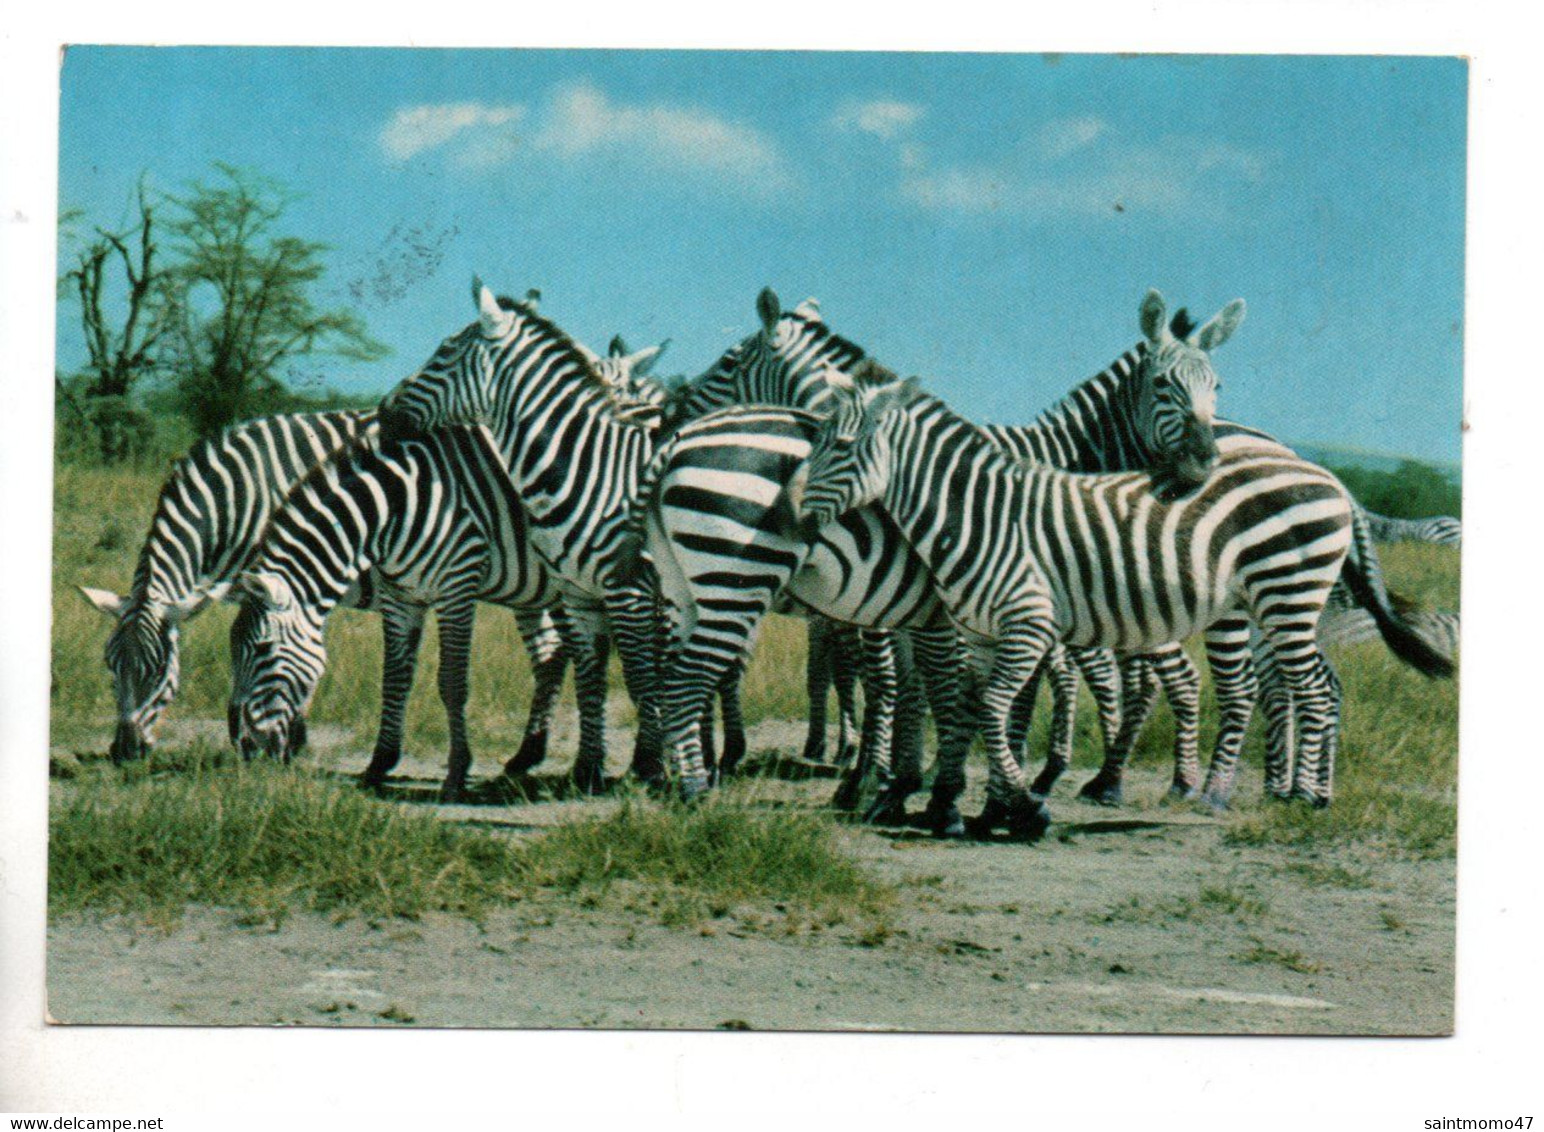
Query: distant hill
1338	456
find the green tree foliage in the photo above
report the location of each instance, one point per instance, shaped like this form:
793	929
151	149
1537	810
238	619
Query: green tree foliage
238	301
1414	490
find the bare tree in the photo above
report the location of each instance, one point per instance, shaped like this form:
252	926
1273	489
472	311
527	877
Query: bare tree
120	345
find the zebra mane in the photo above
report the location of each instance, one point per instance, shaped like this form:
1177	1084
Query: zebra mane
591	376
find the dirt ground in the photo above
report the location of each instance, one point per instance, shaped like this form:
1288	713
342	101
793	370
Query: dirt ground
1137	919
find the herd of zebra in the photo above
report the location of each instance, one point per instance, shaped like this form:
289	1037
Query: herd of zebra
948	566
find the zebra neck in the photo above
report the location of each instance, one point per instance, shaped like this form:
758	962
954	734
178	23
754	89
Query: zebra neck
1092	428
560	438
928	493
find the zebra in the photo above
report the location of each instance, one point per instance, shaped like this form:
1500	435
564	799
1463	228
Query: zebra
436	525
1441	530
1024	554
795	357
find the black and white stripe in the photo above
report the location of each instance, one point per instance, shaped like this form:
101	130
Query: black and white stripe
1443	530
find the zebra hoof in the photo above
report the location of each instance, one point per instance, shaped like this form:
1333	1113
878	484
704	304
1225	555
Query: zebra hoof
813	752
1028	819
532	753
452	793
1216	800
693	790
848	793
1045	781
1320	802
992	815
945	822
734	752
1101	790
887	809
1179	792
589	778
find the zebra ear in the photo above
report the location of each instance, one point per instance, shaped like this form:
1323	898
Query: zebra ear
106	601
893	396
810	309
618	347
269	590
495	320
180	611
768	308
1154	327
1220	327
643	361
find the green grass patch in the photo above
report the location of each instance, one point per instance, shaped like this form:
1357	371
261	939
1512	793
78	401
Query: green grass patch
702	862
264	841
1403	823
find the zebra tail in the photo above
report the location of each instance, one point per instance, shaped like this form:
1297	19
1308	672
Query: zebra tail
1413	639
631	558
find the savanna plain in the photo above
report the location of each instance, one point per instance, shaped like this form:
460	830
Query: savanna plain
194	889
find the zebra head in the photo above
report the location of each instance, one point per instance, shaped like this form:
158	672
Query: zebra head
790	361
849	463
277	660
1175	391
143	655
636	394
455	386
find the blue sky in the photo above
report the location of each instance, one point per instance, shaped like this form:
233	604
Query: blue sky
988	221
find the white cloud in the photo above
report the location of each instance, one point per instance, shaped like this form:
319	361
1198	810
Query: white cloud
885	119
579	121
1066	135
417	129
1169	176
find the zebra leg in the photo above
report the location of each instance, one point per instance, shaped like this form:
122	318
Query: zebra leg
402	627
1064	706
455	626
939	657
1020	651
1101	673
1182	688
549	661
734	719
878	720
880	713
1277	702
586	641
634	621
817	684
1230	657
907	734
1139	692
696	668
1331	743
1316	708
846	663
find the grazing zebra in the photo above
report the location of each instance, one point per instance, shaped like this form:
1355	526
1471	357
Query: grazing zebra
1443	530
437	526
1024	555
207	520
